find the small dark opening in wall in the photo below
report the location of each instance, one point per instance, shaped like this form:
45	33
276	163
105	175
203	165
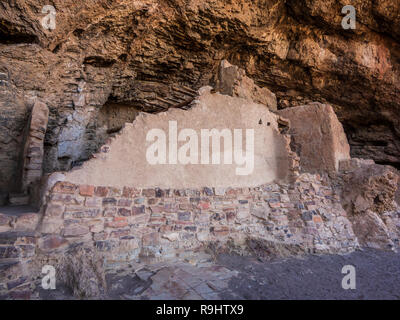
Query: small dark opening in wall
78	163
64	163
57	48
283	129
114	130
99	62
387	163
11	33
379	143
16	38
123	57
78	32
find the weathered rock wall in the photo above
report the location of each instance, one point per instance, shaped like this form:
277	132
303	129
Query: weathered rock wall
369	198
128	52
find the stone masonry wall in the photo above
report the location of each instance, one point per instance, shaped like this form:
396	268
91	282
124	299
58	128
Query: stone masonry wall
127	223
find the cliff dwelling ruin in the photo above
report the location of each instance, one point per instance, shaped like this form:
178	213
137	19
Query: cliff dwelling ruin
139	133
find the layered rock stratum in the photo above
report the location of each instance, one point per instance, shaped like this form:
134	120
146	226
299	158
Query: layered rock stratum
105	59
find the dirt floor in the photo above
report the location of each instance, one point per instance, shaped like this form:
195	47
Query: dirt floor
237	277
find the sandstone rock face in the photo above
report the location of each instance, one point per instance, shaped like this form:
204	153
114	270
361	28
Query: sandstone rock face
125	54
369	198
317	136
233	81
371	187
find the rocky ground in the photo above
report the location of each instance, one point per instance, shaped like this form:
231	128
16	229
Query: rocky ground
236	277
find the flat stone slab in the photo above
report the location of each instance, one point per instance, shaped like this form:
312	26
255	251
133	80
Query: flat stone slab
17	211
13	235
246	277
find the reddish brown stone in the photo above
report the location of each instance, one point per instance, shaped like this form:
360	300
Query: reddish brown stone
182	223
317	219
232	192
119	233
101	191
274	204
149	193
219	231
117	222
157	220
129	192
152	201
114	192
204	205
85	190
64	187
